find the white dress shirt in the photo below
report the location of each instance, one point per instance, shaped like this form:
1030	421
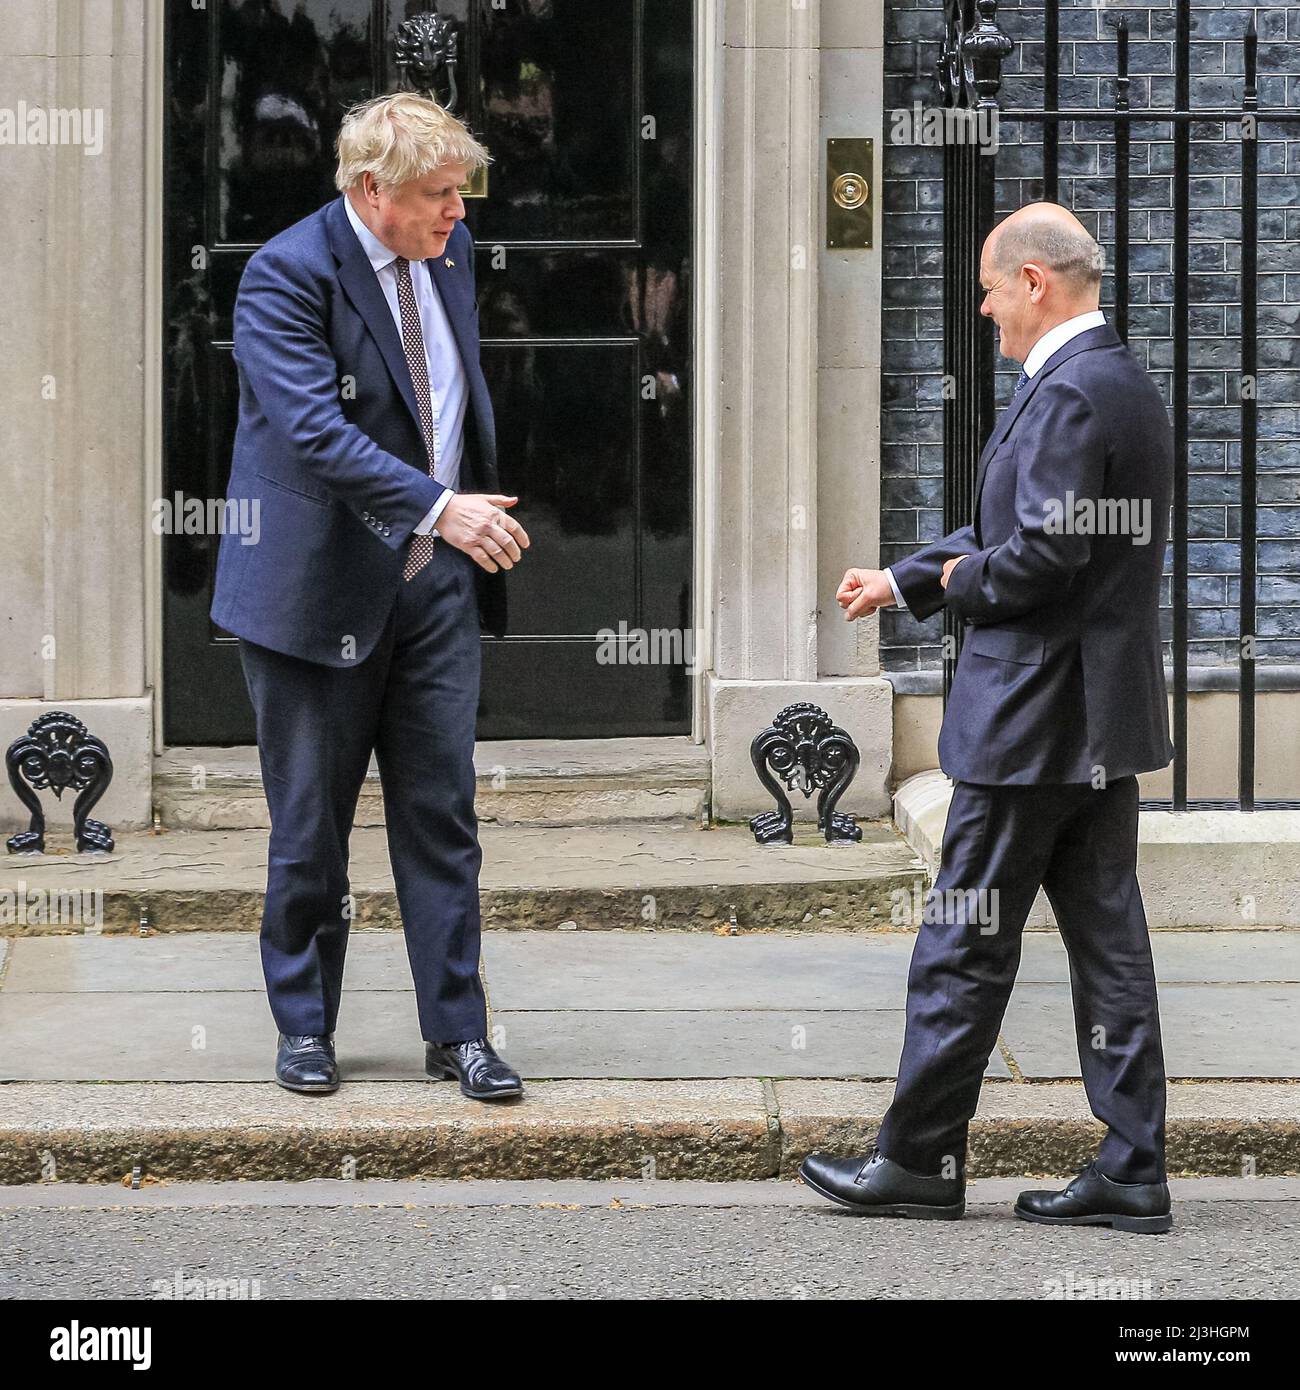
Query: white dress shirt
1053	339
448	386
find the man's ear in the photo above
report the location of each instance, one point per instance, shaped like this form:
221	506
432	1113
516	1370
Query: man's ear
1037	280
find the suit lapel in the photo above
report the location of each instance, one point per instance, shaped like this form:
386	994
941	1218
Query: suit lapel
450	288
361	284
1101	336
455	288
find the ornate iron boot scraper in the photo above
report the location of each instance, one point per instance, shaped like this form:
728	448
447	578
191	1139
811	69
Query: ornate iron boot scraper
809	752
57	752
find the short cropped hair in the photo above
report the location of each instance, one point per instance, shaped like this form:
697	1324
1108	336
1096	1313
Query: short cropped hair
1070	251
400	137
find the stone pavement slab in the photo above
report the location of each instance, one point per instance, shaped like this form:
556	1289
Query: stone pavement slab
1187	957
1209	1030
189	1007
184	963
707	1043
677	970
527	856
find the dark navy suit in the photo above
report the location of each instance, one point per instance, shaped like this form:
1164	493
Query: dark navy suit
1058	700
342	656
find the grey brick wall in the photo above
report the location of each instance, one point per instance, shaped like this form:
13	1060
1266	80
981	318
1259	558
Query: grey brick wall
911	414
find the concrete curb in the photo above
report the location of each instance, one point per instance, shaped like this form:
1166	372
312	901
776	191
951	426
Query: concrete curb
733	1130
599	878
868	903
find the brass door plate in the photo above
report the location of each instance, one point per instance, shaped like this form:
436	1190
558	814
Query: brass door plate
477	187
850	206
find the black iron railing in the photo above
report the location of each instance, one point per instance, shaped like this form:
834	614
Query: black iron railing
969	74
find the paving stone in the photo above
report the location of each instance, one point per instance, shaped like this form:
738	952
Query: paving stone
1208	1030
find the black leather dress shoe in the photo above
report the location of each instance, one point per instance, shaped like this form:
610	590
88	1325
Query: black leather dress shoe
1093	1199
481	1073
876	1186
306	1063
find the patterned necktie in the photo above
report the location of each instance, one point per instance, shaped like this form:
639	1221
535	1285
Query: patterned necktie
421	548
1021	382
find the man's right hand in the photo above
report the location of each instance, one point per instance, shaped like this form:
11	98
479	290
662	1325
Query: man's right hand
474	522
861	592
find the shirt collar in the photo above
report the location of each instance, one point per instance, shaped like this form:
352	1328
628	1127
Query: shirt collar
1058	337
376	252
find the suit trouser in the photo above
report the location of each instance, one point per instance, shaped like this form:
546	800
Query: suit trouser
1000	843
413	702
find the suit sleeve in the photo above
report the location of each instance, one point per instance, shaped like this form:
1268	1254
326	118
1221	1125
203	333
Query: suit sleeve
1060	459
285	358
917	577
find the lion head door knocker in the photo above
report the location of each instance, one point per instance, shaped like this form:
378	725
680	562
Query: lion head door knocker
57	753
426	51
808	753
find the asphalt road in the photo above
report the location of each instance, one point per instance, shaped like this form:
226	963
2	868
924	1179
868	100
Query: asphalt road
1233	1239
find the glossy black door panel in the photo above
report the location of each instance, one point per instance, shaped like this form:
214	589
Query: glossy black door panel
583	246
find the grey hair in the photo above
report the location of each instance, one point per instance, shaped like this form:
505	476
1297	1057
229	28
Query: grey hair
1069	251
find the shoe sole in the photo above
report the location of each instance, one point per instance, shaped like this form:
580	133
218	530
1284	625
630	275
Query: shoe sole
446	1074
310	1088
1142	1225
916	1211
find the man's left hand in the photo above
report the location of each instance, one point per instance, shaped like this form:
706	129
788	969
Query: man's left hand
948	567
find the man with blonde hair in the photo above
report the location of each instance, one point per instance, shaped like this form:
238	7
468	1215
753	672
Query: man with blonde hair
366	439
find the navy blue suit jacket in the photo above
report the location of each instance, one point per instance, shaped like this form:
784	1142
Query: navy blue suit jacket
329	444
1061	670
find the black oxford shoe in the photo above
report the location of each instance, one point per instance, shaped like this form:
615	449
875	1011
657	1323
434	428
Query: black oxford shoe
306	1063
1093	1199
481	1073
876	1186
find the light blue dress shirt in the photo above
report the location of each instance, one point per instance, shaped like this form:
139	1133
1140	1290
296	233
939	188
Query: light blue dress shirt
448	386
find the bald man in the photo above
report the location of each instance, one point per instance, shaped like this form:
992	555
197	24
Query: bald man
1057	703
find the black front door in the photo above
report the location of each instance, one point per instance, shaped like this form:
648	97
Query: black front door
583	263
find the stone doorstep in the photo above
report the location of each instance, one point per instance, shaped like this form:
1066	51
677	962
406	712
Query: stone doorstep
1216	869
520	782
637	877
726	1130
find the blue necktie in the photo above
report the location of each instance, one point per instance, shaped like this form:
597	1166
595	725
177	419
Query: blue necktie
1021	382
